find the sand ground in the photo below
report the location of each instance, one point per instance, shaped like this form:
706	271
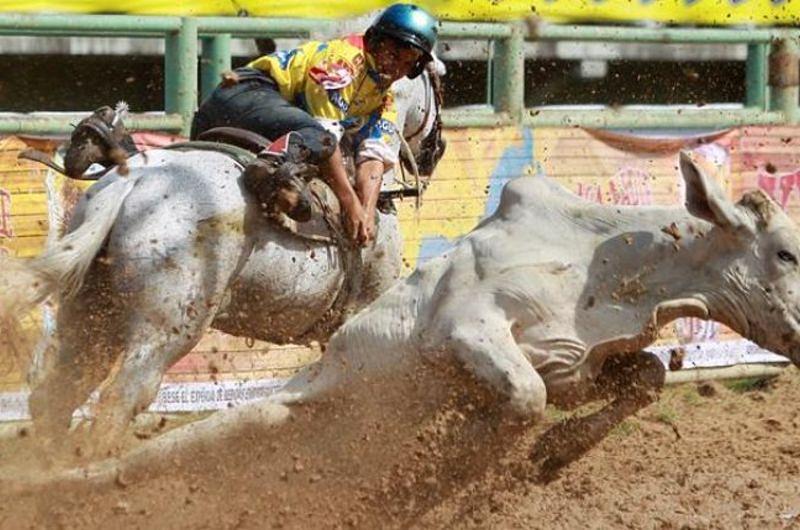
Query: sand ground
428	452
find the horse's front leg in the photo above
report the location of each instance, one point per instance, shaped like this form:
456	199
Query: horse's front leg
632	381
75	361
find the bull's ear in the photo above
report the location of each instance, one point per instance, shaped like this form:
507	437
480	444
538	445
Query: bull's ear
706	200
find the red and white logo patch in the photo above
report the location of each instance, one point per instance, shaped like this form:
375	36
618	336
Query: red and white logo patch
332	76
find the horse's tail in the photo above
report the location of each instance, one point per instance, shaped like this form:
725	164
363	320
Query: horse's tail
24	283
63	267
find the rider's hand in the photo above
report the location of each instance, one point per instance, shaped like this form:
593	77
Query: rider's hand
357	224
359	229
366	231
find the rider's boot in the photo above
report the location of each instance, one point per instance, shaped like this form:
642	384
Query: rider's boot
283	165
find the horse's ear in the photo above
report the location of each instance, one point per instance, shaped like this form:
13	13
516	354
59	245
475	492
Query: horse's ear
439	66
706	200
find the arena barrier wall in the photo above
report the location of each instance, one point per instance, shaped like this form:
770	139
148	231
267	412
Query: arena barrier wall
599	165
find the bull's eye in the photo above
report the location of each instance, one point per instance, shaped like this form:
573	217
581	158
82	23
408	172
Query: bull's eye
788	257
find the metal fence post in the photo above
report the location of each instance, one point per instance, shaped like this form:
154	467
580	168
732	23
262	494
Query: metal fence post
784	77
756	76
508	74
180	92
215	59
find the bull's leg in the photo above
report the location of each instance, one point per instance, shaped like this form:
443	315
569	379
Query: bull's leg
486	347
632	381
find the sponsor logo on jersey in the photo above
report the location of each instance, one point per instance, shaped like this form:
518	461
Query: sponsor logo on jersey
332	76
384	126
338	101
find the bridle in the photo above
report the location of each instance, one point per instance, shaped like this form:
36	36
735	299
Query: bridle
105	127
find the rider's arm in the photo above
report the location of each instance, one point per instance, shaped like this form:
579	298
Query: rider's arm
369	175
377	149
374	157
336	175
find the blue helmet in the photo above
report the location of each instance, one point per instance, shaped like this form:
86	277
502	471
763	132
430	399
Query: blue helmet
409	24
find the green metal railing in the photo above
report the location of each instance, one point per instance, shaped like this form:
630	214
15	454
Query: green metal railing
771	71
771	85
182	37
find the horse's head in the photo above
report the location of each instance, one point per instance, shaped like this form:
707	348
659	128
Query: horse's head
752	259
419	107
100	138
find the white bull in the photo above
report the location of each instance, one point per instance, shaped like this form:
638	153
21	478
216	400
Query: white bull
552	300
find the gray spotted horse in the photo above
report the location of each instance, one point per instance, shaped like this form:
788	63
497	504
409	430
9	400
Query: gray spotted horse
155	257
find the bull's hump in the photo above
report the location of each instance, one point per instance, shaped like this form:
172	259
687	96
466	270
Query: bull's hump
541	208
532	192
543	199
538	215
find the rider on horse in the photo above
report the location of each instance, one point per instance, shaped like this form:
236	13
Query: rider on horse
322	90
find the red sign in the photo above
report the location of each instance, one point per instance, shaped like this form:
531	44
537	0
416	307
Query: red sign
779	187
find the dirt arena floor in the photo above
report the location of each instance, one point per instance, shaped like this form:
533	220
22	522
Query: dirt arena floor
427	453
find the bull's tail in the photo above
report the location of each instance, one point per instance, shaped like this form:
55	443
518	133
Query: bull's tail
24	283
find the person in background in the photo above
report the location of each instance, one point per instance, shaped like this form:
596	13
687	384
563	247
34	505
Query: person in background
265	46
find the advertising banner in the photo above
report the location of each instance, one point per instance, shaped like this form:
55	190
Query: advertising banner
601	166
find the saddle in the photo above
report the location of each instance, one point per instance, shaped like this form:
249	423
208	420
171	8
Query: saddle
255	143
247	140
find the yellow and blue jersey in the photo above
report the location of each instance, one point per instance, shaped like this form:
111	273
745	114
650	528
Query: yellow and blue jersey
337	83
